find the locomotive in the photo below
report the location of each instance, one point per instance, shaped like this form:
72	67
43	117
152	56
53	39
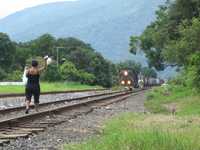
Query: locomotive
131	80
128	79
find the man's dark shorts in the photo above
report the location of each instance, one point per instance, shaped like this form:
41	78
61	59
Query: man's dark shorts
33	91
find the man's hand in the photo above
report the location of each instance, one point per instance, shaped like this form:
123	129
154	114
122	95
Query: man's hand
46	57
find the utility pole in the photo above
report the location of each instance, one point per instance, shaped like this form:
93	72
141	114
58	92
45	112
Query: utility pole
57	50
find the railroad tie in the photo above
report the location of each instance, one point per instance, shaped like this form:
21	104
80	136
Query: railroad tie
31	129
13	136
4	141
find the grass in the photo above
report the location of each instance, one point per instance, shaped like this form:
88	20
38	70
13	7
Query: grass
46	87
159	130
185	100
145	132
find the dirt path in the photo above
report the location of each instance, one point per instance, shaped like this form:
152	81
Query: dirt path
78	129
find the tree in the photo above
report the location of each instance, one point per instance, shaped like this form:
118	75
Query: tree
153	40
52	73
130	65
77	52
114	74
179	51
81	57
2	74
148	72
173	38
193	71
164	41
23	54
68	71
102	70
79	62
7	51
44	45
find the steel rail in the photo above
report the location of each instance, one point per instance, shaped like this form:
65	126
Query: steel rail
7	110
30	117
50	93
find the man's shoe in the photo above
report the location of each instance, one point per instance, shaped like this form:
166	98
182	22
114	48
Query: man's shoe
27	111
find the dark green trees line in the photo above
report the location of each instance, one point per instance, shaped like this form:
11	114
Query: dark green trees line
78	61
173	38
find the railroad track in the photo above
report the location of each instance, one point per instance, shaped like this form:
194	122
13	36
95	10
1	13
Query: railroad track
63	101
25	125
50	93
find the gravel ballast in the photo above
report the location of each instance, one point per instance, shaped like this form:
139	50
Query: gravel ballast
79	128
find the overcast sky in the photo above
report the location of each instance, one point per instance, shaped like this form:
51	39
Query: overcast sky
8	7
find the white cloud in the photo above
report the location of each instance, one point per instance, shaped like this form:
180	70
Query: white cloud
8	7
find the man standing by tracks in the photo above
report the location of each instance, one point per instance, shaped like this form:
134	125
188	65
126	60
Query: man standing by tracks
33	84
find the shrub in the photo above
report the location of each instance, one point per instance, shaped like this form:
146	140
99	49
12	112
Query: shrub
179	80
52	73
86	78
15	76
193	71
69	72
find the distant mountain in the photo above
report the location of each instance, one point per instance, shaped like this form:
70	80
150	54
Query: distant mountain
105	24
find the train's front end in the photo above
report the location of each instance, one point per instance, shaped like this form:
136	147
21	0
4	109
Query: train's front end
126	79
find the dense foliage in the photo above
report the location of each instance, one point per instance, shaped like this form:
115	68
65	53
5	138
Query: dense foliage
7	51
78	61
52	73
173	38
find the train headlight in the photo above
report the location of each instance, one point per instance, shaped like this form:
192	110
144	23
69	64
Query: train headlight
125	73
123	82
129	82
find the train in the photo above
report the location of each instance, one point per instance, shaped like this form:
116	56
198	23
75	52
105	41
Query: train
131	80
128	79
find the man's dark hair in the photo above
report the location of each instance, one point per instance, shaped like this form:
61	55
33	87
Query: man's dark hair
34	63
